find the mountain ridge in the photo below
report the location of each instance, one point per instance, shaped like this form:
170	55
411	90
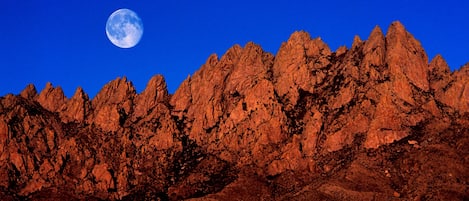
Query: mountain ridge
307	123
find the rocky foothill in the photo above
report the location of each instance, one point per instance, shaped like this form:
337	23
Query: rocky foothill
378	121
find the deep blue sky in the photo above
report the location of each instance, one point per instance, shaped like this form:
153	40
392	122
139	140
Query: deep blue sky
64	41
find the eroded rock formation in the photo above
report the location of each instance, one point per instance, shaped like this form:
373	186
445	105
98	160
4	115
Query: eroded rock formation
374	122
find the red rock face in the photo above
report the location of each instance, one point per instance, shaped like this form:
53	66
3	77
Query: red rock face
376	121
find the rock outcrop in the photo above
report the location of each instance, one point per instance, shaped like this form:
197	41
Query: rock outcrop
374	122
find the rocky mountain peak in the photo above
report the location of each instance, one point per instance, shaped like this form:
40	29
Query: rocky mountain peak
115	92
438	65
230	56
293	64
464	70
439	73
357	41
406	57
396	28
299	38
155	93
52	98
77	108
374	52
114	101
29	92
373	122
375	40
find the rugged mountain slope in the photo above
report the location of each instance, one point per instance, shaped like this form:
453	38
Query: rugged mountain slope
374	122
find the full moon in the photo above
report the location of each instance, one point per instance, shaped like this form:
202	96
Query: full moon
124	28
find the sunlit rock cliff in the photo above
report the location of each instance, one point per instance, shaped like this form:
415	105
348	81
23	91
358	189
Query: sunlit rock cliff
379	121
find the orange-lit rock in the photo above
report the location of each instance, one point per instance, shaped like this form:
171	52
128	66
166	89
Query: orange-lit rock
375	121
